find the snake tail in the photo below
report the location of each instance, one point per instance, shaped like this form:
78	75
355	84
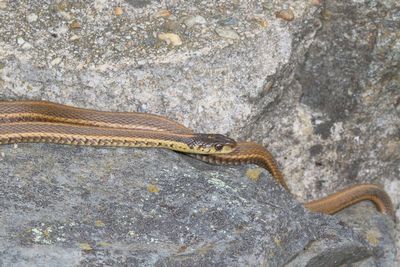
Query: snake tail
351	195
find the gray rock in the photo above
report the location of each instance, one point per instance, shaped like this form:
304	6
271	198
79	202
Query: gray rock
31	18
66	205
194	20
227	33
228	22
20	41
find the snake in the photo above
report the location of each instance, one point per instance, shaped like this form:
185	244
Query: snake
35	121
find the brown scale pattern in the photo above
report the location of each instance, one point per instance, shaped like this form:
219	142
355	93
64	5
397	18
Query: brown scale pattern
51	112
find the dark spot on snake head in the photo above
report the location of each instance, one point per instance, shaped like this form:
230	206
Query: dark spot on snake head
219	147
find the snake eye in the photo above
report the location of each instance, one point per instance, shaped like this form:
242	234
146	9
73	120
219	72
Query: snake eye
219	147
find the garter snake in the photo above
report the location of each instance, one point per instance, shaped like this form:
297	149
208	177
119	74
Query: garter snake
40	121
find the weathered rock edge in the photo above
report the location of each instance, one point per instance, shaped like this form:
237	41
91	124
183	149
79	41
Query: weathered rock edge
70	206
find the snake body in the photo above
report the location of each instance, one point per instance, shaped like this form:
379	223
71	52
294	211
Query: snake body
61	133
40	121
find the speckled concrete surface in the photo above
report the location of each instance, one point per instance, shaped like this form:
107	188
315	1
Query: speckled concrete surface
321	90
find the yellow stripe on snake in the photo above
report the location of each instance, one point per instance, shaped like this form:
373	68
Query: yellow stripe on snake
40	121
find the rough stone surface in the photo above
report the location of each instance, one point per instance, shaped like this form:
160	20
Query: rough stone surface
321	91
153	207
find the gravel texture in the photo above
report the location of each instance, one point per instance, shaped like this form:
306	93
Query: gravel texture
317	82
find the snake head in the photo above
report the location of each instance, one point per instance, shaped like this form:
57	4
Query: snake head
213	144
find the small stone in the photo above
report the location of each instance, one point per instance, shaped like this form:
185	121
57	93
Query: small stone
20	41
172	17
3	4
85	246
99	223
193	20
227	33
56	61
163	13
229	22
65	15
75	25
262	22
315	2
31	18
26	45
74	37
104	244
118	11
120	47
170	38
63	29
132	233
286	14
151	188
170	25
